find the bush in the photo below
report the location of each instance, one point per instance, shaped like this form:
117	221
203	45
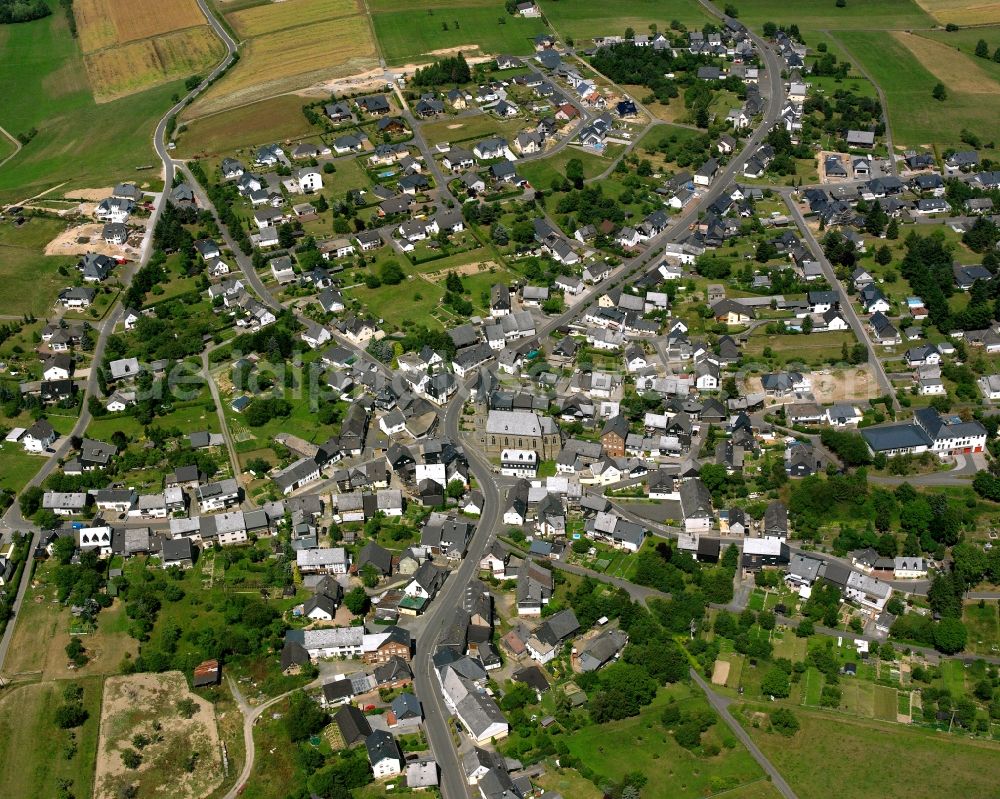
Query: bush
784	722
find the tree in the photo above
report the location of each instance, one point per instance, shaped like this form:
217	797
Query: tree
356	601
392	273
883	255
950	636
784	722
982	49
574	172
304	718
71	714
131	759
939	92
892	231
31	500
187	707
776	683
453	283
76	652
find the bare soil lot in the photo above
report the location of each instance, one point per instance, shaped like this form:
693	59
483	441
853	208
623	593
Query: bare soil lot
135	705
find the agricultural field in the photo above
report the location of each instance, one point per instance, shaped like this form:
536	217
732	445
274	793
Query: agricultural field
641	743
289	46
106	23
268	17
120	71
830	752
965	40
408	34
132	706
275	119
33	749
129	47
818	15
43	80
29	279
907	81
584	19
961	12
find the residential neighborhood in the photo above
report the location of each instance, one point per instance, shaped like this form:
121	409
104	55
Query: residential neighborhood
544	401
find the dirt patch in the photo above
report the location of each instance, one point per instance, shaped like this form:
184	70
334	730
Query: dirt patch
82	239
844	384
146	704
720	673
465	269
952	67
93	195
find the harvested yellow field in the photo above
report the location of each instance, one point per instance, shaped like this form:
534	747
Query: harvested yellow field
953	68
961	12
119	71
273	17
106	23
292	59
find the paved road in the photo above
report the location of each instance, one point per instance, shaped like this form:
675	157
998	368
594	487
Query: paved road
453	783
846	305
721	706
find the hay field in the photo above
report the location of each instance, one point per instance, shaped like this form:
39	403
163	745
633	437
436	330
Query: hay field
119	71
292	59
106	23
272	17
128	47
961	12
952	67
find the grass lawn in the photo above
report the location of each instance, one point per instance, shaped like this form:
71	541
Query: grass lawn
470	128
275	119
815	348
413	33
812	686
916	118
983	625
187	418
953	676
642	744
29	279
821	15
857	697
43	631
830	752
567	782
412	300
301	422
274	765
17	467
790	646
540	172
886	703
33	749
44	85
584	19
